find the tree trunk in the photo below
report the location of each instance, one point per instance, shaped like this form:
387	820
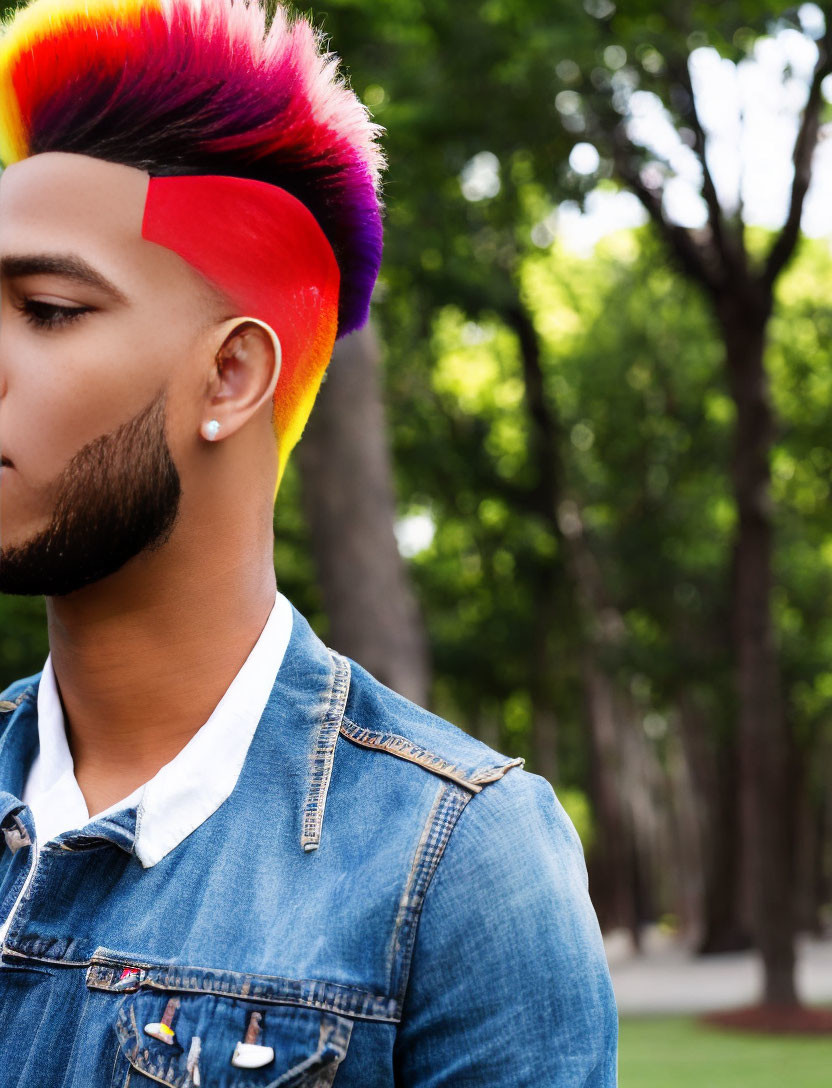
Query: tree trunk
764	750
612	868
809	857
348	499
823	853
712	764
613	887
686	816
544	727
544	451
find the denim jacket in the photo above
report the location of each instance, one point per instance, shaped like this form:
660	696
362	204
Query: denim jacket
383	900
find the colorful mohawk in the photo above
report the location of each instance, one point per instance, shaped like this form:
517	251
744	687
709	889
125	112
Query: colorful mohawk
207	87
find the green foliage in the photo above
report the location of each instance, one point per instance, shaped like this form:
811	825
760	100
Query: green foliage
579	810
23	640
294	567
634	368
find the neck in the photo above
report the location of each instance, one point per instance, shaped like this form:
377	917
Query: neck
143	657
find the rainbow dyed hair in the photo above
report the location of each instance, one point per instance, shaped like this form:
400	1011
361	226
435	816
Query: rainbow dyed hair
208	87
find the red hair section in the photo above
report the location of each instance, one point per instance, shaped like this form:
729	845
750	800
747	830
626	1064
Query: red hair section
264	249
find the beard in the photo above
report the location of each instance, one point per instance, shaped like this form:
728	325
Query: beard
118	496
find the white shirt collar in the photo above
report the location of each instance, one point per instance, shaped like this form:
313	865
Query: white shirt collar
185	791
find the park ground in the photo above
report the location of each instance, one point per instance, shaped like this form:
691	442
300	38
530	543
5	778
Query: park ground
660	995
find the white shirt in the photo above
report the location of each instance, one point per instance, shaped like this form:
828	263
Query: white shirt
184	792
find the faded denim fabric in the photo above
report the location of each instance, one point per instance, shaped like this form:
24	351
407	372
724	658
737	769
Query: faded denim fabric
382	901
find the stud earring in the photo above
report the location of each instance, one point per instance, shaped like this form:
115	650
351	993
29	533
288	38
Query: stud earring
210	429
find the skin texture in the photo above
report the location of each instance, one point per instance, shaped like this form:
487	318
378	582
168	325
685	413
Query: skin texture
156	564
118	496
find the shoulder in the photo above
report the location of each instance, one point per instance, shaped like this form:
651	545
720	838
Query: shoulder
379	719
521	805
515	840
502	826
507	979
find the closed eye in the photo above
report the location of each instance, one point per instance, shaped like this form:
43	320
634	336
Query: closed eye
46	315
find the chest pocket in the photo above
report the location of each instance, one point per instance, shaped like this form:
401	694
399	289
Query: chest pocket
212	1041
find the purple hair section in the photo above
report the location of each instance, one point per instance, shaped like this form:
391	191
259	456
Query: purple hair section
356	291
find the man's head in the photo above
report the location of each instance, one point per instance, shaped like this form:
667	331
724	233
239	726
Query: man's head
171	168
111	359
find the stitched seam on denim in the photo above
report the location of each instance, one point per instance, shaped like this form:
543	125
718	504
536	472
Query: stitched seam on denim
333	1033
313	756
491	774
324	754
107	958
267	989
369	1008
12	895
116	1057
444	815
394	944
409	750
339	1035
19	908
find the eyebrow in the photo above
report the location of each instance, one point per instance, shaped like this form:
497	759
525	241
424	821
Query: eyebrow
69	266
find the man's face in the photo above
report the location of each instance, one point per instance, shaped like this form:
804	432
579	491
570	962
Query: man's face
100	373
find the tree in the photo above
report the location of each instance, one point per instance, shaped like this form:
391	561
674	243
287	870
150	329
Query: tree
740	287
348	500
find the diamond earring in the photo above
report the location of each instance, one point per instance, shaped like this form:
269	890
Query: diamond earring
210	429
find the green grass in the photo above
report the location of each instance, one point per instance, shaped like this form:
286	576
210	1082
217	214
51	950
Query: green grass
676	1052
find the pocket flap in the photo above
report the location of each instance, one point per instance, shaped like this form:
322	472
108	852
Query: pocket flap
304	1041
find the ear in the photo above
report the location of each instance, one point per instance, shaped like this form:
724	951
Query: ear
245	372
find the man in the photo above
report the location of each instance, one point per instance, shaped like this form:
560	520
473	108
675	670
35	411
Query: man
230	856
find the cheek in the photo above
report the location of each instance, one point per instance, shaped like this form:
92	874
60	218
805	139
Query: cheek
66	391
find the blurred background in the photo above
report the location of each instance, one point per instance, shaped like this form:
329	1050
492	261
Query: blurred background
570	488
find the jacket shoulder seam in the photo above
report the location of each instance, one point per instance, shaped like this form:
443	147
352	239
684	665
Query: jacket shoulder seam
413	752
449	804
437	834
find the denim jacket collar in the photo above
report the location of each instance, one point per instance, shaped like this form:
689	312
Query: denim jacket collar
291	755
302	718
